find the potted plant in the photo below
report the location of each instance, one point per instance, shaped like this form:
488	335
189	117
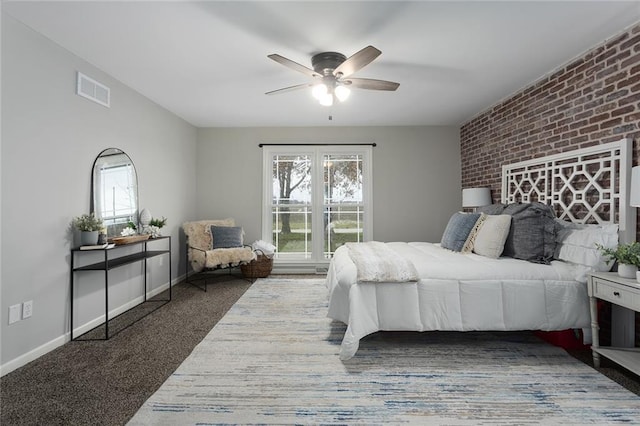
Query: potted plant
89	226
154	227
130	230
158	222
627	256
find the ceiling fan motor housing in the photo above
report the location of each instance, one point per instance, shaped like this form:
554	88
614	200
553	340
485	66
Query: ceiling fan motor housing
325	62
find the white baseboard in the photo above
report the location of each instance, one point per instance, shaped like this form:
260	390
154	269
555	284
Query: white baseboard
36	353
88	326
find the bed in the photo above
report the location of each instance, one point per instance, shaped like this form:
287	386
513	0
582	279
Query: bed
421	286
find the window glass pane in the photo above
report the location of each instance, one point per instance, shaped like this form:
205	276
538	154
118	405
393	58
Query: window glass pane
343	225
342	178
343	199
292	231
291	206
291	179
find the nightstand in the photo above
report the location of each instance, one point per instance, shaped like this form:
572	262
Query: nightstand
624	293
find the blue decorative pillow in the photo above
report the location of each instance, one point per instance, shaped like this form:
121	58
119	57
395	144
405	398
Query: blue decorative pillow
226	236
457	234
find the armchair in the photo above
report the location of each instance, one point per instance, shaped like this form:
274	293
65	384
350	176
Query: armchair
213	245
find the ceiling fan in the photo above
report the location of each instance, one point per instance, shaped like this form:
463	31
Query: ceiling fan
330	73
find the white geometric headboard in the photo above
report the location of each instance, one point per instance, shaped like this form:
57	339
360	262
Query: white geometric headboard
588	185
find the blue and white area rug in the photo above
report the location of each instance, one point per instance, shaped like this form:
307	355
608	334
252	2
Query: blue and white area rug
273	359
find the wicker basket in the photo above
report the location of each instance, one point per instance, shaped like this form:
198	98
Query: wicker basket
260	267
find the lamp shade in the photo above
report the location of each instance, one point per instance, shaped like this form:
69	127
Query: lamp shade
476	197
634	196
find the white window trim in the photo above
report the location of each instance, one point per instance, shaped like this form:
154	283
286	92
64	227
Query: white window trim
316	153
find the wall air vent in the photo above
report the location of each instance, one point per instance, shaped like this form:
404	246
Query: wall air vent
91	89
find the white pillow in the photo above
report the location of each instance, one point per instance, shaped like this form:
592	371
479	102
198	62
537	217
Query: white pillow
577	244
491	235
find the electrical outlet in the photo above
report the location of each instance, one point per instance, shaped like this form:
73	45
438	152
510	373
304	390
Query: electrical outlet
14	313
27	309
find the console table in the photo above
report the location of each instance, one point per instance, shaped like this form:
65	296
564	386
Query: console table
622	292
115	258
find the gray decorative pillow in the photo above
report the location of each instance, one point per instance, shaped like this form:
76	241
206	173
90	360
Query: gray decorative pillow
532	235
226	236
496	208
457	234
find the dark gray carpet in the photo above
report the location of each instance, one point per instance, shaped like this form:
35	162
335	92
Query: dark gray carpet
106	382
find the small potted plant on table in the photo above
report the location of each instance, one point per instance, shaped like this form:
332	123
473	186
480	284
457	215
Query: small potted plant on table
627	256
89	226
155	225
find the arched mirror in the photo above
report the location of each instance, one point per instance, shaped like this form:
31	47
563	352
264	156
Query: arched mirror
114	190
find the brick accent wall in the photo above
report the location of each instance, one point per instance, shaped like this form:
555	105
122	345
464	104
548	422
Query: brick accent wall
591	100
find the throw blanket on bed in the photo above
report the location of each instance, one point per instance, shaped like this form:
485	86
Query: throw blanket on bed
376	262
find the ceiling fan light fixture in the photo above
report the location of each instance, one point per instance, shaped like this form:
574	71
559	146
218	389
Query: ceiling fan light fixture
331	75
319	91
342	93
326	99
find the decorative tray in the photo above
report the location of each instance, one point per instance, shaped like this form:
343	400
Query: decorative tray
130	239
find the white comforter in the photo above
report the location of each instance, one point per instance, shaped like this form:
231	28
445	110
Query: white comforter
460	292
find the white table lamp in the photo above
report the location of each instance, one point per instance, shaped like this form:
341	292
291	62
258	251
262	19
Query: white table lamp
476	197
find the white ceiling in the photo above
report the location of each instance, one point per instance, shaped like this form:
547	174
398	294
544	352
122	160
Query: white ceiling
207	61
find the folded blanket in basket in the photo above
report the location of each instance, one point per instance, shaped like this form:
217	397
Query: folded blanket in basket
376	262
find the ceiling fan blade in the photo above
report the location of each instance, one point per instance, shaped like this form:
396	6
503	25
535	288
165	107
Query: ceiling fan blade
371	84
357	61
293	65
288	89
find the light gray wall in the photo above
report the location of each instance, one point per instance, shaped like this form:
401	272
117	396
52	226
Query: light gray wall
416	175
50	138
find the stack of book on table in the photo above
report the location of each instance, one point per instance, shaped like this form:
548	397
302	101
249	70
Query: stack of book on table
98	246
